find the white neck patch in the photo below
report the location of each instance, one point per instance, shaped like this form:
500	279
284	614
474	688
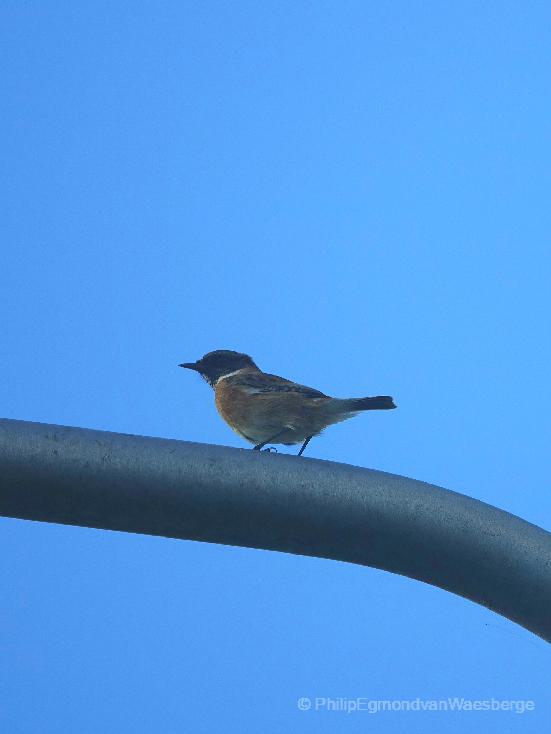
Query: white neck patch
230	374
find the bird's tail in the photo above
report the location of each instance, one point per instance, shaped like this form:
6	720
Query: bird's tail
381	402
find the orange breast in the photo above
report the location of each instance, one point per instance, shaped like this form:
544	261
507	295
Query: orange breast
232	404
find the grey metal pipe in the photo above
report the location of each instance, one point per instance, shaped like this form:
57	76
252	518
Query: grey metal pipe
278	502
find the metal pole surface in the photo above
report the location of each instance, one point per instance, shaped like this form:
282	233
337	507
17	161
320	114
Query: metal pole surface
216	494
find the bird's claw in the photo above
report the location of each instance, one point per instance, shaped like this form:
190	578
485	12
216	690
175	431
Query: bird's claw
270	449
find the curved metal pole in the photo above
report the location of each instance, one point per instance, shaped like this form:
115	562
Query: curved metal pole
278	502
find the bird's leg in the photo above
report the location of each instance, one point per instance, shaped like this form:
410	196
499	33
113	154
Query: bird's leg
304	445
269	440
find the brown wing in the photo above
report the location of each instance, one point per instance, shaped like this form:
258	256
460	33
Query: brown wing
263	383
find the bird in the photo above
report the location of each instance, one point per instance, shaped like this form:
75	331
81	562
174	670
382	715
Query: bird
264	408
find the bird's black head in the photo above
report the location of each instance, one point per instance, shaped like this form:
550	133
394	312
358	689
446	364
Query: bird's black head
215	365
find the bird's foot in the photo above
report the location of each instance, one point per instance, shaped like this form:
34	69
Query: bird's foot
270	449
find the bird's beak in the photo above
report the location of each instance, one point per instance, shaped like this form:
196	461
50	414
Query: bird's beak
189	365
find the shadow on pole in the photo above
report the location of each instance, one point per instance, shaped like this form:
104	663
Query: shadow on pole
216	494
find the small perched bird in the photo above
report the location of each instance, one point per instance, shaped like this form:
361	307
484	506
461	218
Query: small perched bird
264	408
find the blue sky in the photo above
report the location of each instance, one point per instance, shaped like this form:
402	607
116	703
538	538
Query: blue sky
355	193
